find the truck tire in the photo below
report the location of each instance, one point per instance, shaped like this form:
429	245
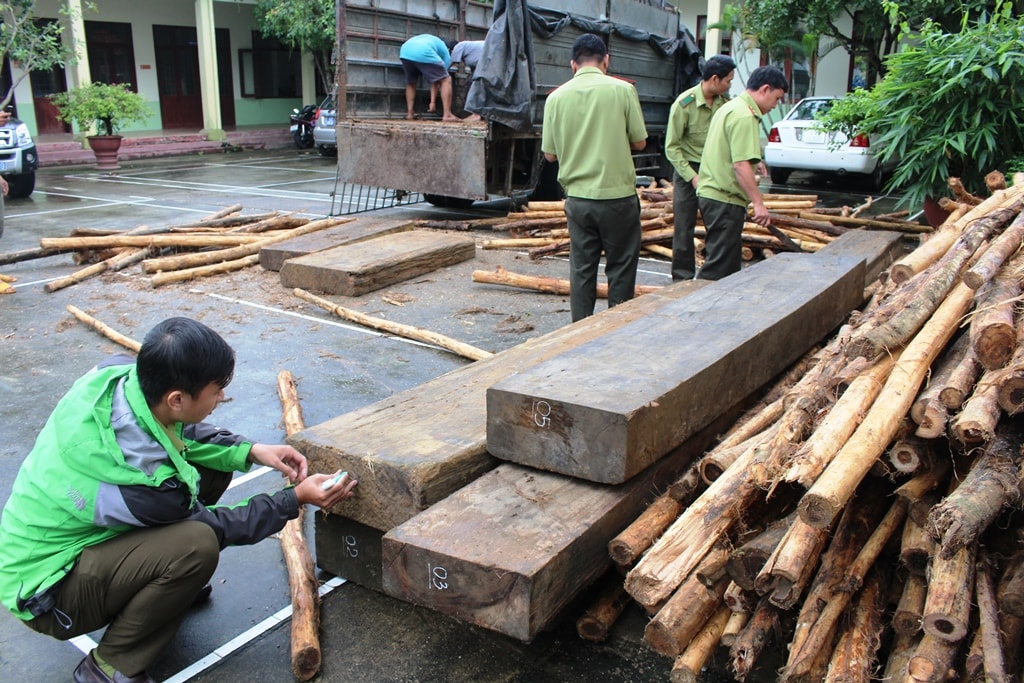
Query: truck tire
779	175
445	202
21	185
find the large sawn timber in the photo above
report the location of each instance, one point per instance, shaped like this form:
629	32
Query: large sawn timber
673	371
412	449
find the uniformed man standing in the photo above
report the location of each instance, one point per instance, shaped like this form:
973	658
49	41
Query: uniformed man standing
727	182
688	123
591	124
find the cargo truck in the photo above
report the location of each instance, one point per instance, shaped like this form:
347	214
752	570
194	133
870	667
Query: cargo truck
526	56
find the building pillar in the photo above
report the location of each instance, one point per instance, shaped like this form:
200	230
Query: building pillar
308	79
77	70
209	84
713	40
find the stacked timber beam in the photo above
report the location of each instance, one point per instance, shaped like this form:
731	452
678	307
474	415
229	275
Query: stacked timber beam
511	549
223	242
864	520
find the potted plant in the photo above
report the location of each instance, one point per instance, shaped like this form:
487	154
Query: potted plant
109	107
948	106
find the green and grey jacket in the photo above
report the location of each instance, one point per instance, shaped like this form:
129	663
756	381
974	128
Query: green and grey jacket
103	465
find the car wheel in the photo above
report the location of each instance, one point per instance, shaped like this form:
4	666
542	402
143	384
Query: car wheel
328	151
878	177
446	202
21	185
779	175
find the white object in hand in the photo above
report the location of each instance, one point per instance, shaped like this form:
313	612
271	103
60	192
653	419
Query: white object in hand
333	480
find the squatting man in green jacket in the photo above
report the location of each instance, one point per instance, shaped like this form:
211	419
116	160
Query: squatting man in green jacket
111	520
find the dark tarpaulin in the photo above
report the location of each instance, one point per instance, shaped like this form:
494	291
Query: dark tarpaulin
504	83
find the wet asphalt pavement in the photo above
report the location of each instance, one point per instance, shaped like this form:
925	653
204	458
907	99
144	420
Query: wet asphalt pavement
243	633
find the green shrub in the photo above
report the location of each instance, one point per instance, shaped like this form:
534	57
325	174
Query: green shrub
950	105
110	106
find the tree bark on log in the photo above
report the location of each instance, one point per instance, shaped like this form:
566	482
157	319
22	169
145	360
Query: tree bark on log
819	636
815	454
547	285
746	561
932	661
1011	586
928	410
302	580
999	251
638	536
785	574
104	329
161	279
597	621
906	620
901	226
900	652
947	607
737	622
917	548
929	290
993	335
832	489
977	420
931	249
755	637
691	536
682	617
993	483
688	665
407	331
183	240
855	655
988	621
1011	379
961	380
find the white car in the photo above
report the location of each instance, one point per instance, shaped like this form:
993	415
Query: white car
796	143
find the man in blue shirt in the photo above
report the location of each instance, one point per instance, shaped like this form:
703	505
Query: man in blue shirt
428	56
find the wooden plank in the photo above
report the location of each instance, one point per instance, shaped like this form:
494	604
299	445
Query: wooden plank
412	449
512	549
349	549
360	267
273	257
879	249
607	409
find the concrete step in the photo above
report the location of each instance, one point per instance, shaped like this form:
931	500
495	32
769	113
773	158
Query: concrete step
69	152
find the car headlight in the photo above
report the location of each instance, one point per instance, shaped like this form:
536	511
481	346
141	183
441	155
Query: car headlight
22	134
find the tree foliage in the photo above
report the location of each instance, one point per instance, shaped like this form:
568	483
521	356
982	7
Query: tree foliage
29	43
785	27
950	104
302	25
110	106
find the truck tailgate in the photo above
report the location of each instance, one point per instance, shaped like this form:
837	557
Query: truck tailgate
424	156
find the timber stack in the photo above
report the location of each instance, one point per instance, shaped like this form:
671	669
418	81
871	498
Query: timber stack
222	242
863	512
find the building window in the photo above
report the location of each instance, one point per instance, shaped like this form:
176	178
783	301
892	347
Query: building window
111	53
702	37
269	69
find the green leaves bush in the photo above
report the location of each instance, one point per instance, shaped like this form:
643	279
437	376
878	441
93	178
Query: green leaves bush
951	104
111	106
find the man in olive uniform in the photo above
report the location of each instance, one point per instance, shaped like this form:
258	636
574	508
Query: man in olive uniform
688	123
727	182
591	124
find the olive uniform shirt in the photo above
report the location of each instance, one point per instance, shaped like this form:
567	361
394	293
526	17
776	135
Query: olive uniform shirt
688	123
589	123
734	136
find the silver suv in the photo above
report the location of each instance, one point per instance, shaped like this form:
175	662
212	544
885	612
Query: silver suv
18	159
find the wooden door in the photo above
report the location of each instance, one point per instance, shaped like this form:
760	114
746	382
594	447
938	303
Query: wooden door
177	73
44	84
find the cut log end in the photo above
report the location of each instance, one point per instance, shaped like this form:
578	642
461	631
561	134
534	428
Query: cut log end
306	662
945	628
817	511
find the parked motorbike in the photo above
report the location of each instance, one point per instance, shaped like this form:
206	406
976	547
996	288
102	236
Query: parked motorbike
302	126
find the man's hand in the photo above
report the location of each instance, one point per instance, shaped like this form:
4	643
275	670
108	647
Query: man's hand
282	458
761	216
311	490
4	187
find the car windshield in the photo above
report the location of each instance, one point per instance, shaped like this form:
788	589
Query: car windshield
807	109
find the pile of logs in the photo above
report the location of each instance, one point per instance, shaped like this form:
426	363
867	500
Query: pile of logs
861	516
222	242
798	225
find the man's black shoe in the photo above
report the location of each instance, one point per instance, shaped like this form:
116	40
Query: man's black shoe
88	671
203	596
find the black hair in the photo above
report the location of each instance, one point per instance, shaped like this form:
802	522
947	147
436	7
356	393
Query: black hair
767	75
450	44
182	354
588	48
719	65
